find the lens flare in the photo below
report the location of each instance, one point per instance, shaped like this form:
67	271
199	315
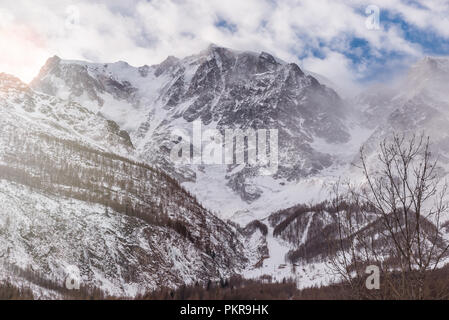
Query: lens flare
22	51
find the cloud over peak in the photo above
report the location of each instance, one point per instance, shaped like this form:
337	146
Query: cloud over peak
323	36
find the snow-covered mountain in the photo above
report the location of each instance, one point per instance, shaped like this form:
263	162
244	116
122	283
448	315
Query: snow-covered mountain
224	89
86	177
69	199
419	103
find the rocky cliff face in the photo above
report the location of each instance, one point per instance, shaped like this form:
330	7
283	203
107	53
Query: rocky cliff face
223	89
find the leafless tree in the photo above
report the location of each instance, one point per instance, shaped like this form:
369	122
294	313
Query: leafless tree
393	220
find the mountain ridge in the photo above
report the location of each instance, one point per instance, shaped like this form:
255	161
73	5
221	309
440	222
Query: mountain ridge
222	88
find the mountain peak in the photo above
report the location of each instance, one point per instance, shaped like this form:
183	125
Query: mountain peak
8	81
214	49
296	69
432	64
49	65
267	57
6	76
53	61
428	73
170	60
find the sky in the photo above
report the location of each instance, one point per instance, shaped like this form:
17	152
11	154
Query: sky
353	43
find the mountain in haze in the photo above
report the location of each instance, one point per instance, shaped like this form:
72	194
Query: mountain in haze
319	133
224	89
419	103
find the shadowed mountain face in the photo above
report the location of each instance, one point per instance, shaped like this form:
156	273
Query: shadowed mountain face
223	89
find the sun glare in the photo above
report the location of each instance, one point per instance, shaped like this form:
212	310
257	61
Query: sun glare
22	52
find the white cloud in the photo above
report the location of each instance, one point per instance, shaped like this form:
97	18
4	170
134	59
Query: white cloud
335	66
145	32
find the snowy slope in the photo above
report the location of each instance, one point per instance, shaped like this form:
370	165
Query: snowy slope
67	199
